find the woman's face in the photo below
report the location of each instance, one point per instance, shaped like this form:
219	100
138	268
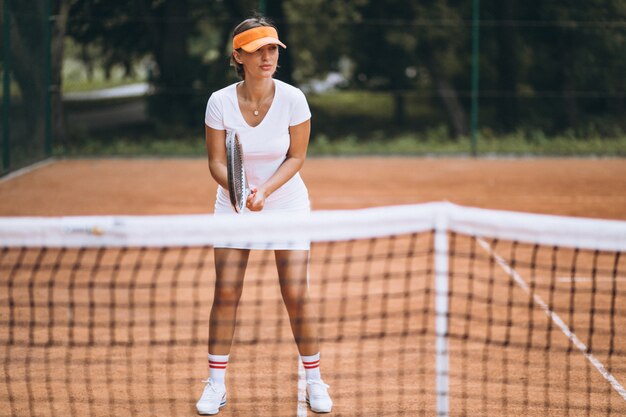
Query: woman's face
260	63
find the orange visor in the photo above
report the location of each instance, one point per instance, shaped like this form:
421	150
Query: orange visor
253	39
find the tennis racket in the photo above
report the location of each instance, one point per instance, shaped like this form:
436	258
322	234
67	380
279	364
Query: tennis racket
237	181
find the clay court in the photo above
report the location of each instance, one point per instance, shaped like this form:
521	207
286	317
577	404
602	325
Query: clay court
572	187
165	381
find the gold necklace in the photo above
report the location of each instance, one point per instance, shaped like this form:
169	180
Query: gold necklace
256	108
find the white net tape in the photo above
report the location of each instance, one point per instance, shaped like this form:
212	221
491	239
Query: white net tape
191	230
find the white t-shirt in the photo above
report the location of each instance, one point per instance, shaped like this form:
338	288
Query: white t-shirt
264	146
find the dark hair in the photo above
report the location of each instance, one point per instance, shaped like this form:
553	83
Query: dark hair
253	22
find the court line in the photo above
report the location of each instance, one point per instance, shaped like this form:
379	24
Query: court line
27	169
556	319
301	411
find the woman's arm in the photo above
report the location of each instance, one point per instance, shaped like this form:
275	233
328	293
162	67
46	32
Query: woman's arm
291	165
216	152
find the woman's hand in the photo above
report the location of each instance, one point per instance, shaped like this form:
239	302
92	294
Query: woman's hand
256	199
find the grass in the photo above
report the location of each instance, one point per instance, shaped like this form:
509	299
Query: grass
97	84
557	146
421	145
406	145
132	147
76	77
369	115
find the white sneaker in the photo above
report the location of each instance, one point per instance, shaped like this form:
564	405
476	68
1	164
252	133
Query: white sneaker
317	397
213	398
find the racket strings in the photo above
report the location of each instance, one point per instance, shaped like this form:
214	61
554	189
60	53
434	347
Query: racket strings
237	180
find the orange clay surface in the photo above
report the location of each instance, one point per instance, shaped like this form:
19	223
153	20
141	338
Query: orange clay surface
576	187
142	379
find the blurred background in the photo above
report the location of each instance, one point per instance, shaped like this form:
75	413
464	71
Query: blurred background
394	77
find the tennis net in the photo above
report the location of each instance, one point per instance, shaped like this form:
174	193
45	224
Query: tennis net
422	310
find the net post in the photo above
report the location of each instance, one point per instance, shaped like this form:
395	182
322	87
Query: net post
441	314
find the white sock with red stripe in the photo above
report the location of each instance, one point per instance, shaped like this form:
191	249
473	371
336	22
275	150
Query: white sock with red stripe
312	367
217	368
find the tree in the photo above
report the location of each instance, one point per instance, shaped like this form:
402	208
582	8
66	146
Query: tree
59	29
443	47
395	37
166	31
27	49
506	59
320	34
276	12
386	50
126	31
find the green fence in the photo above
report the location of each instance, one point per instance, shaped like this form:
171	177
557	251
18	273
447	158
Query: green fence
26	63
418	76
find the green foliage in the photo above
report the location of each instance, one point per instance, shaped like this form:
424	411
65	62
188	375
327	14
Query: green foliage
430	143
363	113
127	146
356	123
85	68
546	65
510	145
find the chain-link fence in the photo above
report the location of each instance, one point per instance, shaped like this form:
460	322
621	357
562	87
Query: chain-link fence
372	71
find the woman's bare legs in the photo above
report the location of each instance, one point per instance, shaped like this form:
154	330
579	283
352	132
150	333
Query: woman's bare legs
230	268
293	274
292	268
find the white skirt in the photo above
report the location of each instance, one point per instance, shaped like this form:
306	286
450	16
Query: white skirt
287	202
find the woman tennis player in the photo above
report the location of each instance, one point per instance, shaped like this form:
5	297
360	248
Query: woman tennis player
273	122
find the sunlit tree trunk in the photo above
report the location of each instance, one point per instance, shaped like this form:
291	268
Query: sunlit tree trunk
457	115
169	35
